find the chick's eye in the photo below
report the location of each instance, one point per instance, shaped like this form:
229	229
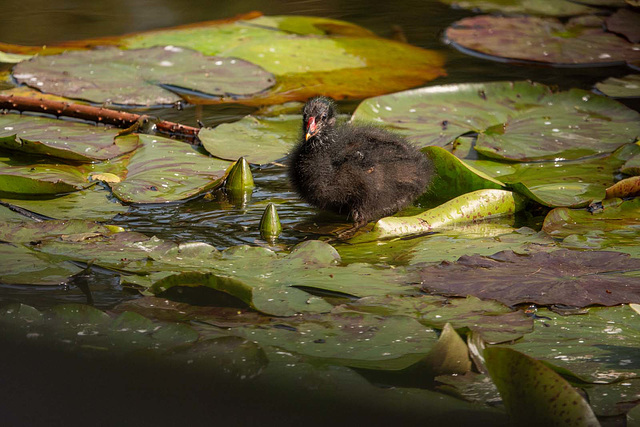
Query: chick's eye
324	116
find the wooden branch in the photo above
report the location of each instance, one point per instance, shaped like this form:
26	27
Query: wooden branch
96	114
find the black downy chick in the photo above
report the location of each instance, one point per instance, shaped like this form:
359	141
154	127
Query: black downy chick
362	171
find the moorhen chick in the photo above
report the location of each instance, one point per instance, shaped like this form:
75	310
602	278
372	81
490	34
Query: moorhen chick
360	170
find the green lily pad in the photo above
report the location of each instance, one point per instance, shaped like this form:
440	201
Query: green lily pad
534	393
164	170
259	140
536	7
598	347
570	183
22	266
566	277
22	177
63	139
621	87
94	203
543	40
493	321
338	57
518	121
632	166
25	232
138	77
351	339
625	22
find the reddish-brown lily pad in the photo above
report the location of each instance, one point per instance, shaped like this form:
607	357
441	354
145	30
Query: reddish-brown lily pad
141	76
625	22
534	7
567	277
544	40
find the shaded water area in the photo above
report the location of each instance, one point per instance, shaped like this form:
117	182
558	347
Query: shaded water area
216	219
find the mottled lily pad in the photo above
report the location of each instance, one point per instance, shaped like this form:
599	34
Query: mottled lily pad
139	77
625	22
536	7
164	170
533	392
63	139
259	140
514	120
573	278
544	40
621	87
25	232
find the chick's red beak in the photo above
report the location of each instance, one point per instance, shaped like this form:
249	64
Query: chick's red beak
312	129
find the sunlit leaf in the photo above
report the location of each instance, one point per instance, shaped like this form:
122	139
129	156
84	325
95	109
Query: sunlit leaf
139	77
621	87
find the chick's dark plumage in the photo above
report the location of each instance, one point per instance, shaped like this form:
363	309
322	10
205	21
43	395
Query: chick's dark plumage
362	171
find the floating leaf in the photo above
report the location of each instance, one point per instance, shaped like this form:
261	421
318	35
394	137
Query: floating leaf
139	77
544	40
621	87
164	170
536	7
628	187
259	140
350	339
566	277
26	178
25	232
600	346
63	139
22	266
491	320
533	393
94	203
514	120
625	22
632	166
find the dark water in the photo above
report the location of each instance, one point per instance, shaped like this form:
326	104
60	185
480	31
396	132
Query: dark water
217	220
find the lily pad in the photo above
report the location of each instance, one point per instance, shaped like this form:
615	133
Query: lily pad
94	203
536	7
23	177
351	339
600	346
628	187
338	57
164	170
493	321
22	266
545	40
25	232
622	87
139	77
519	121
632	166
63	139
625	22
533	392
259	140
565	277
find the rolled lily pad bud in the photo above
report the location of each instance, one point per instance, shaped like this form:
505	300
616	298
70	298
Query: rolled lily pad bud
270	226
240	177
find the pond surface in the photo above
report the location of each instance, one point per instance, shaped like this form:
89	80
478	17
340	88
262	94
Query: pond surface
217	220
